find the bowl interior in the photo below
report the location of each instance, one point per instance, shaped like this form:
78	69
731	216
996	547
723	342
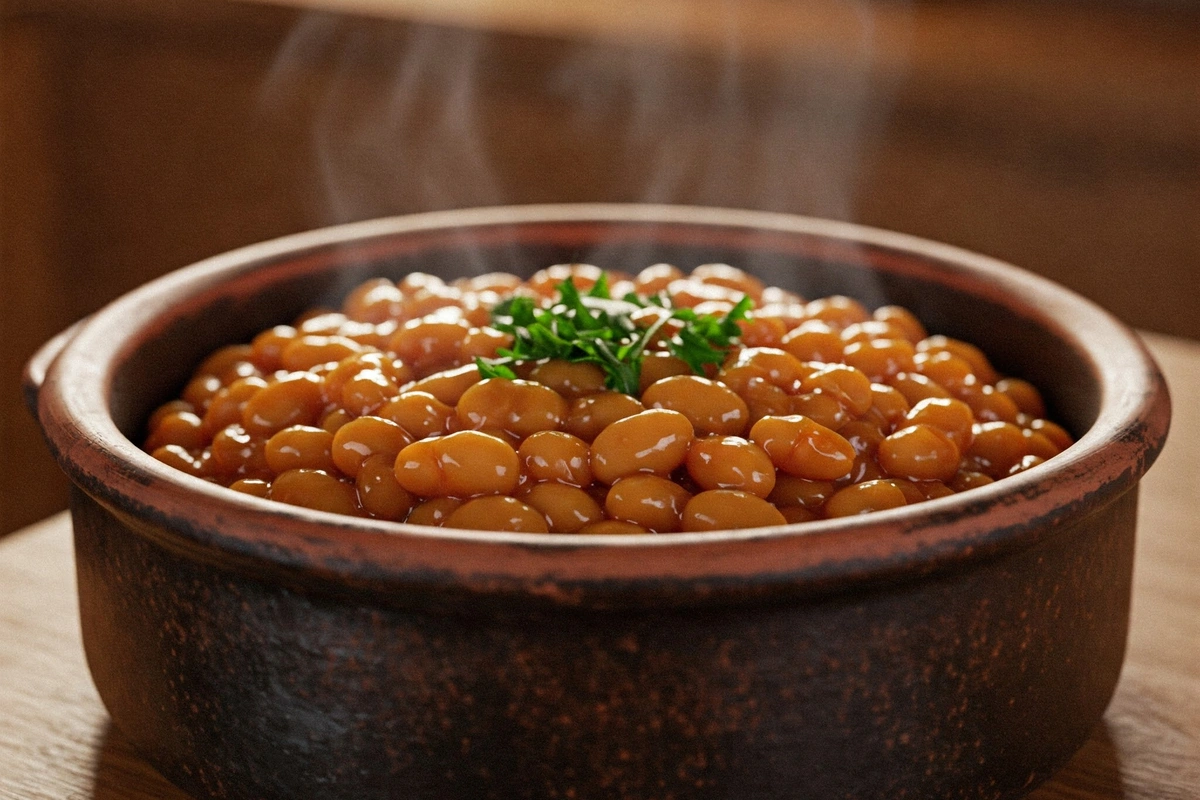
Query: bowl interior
1010	327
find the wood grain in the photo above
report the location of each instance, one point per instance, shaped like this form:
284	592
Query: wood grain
56	741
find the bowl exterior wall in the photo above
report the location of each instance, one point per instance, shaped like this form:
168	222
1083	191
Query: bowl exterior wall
976	682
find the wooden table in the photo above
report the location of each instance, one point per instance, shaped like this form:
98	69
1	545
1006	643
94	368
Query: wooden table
56	741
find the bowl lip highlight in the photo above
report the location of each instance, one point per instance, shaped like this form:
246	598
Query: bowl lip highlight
213	524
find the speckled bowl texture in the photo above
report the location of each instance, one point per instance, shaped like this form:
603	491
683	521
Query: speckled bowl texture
960	648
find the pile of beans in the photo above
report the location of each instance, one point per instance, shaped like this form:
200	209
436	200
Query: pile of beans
822	409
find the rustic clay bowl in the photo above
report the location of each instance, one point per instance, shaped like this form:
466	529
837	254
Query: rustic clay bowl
962	648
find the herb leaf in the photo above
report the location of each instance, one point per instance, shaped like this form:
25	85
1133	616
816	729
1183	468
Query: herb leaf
594	328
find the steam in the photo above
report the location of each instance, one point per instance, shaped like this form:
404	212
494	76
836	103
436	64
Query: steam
762	104
787	133
418	139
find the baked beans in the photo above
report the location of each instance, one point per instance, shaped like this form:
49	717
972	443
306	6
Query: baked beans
412	402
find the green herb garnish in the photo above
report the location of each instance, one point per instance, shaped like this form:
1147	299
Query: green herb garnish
598	329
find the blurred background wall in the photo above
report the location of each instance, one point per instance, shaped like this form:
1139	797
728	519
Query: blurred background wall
138	136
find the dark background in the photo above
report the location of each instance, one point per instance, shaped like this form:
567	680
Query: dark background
138	136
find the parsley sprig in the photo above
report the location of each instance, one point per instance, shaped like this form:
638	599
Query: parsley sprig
595	328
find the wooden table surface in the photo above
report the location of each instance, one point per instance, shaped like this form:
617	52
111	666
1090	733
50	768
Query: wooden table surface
56	741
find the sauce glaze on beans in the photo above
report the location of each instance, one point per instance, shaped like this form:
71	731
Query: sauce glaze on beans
822	409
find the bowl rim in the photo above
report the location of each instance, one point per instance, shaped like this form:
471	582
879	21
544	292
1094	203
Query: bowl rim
211	523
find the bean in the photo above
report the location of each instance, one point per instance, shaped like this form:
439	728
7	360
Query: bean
566	508
862	435
968	479
419	413
911	490
426	344
483	342
544	281
803	448
1027	462
335	419
655	441
200	390
934	489
903	319
225	407
447	385
361	438
845	384
294	399
689	293
952	417
556	456
321	322
980	365
656	366
866	468
869	330
730	277
308	350
1052	431
891	405
612	527
433	512
569	379
653	502
997	446
765	399
726	509
267	347
710	406
1024	395
916	387
194	463
824	409
945	369
500	283
880	359
656	278
587	416
861	498
183	428
763	329
989	405
237	454
255	487
497	514
795	515
788	311
376	300
230	360
462	464
729	462
429	302
814	340
299	447
520	407
315	489
378	492
837	310
919	452
777	367
792	491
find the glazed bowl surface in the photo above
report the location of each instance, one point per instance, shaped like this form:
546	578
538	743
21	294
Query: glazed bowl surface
960	648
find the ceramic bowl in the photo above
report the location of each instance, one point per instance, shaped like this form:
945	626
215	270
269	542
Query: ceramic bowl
960	648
